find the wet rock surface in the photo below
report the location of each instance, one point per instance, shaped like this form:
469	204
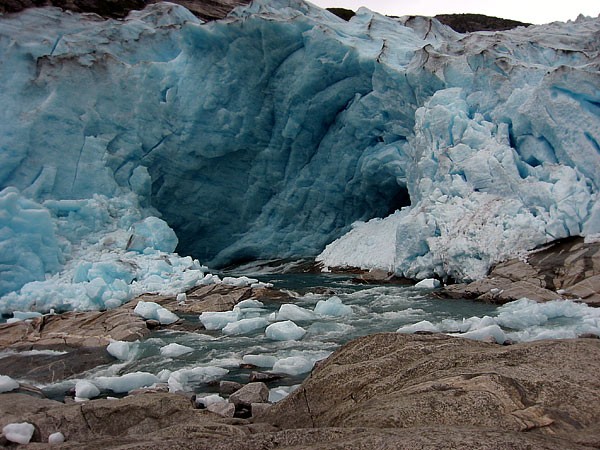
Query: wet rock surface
73	330
569	268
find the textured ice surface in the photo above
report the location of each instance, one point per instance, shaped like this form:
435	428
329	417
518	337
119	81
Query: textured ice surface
428	283
520	321
86	389
56	438
332	307
122	350
293	365
259	360
21	433
269	133
185	379
218	320
174	350
244	326
7	384
152	310
296	313
285	331
281	392
127	382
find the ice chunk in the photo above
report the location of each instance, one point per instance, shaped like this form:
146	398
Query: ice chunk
259	360
249	303
289	311
428	283
239	281
7	384
293	365
85	390
332	307
185	379
485	333
152	233
152	310
29	247
127	382
122	350
285	331
56	438
245	326
26	315
423	325
210	399
218	320
175	350
20	433
261	285
279	393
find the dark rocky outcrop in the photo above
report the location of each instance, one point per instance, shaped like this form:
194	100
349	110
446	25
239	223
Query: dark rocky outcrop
218	9
204	9
569	268
467	23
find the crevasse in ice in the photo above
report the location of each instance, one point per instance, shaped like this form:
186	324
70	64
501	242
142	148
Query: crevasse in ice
276	131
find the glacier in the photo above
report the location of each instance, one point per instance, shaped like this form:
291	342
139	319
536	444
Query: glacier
283	131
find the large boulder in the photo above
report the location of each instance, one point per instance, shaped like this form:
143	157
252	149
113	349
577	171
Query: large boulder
393	381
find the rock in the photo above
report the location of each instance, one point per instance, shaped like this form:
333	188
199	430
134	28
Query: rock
258	409
404	381
229	387
157	418
264	376
250	393
569	266
50	368
206	10
378	276
214	297
73	330
224	409
588	290
159	387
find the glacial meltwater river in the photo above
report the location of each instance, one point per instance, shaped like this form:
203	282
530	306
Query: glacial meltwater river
374	308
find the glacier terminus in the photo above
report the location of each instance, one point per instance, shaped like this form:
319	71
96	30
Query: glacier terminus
132	149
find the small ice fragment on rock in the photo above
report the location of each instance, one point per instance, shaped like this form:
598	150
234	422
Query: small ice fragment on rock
21	433
85	390
7	384
428	283
56	438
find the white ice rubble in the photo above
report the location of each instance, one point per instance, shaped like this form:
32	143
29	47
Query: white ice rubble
430	152
521	321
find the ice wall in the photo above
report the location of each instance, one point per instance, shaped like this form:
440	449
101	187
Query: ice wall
267	134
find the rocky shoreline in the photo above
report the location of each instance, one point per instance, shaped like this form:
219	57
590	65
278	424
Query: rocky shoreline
380	391
564	269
